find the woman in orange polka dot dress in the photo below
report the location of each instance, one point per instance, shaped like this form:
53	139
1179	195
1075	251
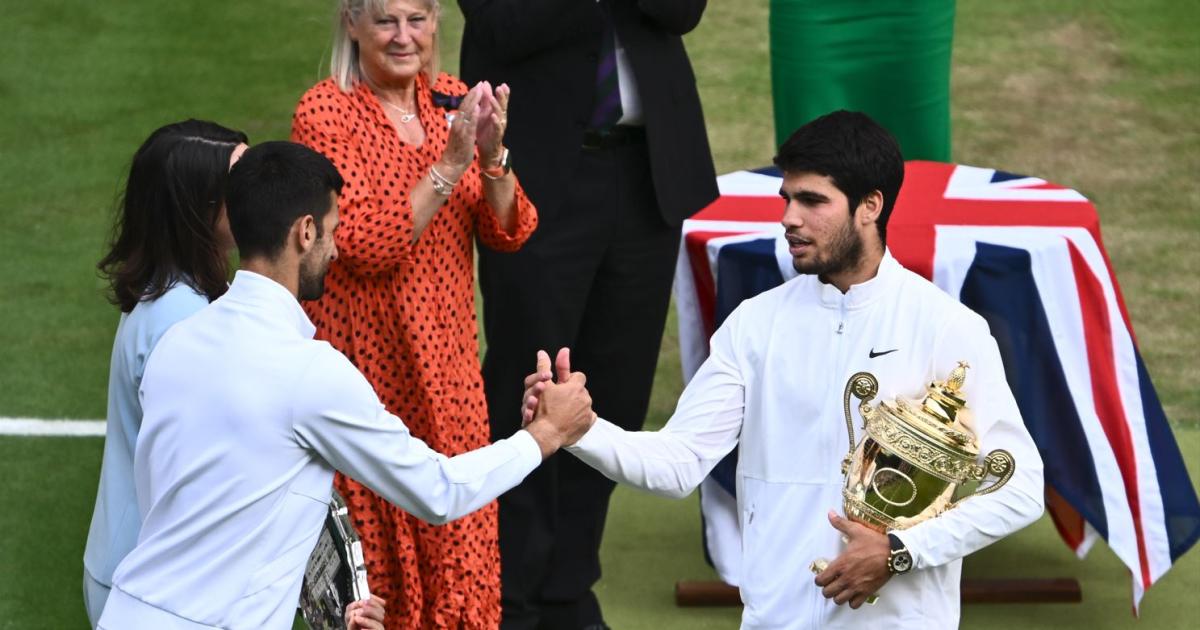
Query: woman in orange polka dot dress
399	300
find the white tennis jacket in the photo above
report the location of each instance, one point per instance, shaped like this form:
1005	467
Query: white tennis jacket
773	386
245	419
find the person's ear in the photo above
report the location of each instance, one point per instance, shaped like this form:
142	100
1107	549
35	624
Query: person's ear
869	208
351	26
305	230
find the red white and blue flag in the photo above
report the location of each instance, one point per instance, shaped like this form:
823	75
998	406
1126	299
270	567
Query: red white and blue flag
1025	254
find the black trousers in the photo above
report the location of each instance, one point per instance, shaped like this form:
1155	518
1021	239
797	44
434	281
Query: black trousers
595	277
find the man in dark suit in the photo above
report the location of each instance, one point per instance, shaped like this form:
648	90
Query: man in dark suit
607	137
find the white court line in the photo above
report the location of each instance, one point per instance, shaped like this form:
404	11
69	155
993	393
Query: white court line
63	428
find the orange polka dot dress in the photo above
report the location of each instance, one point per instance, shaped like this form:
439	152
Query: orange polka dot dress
404	313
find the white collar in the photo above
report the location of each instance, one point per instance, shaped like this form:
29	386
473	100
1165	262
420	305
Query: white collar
271	298
865	292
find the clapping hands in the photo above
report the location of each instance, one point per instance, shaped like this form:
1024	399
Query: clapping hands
480	122
491	123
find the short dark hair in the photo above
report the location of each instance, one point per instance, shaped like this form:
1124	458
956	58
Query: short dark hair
164	230
855	152
271	186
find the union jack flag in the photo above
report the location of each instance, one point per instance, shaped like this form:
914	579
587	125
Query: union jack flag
1026	254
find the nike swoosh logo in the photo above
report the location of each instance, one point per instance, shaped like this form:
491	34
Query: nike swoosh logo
874	354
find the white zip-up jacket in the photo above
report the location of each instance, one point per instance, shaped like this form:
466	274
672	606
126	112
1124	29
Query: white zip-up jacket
773	386
245	419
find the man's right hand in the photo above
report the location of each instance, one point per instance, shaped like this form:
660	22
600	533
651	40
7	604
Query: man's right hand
563	411
536	383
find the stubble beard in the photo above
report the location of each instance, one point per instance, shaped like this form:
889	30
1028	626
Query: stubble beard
312	280
845	252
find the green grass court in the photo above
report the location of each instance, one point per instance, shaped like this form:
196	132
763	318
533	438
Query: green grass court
1100	95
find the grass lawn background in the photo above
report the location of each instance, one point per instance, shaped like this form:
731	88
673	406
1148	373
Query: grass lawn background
1100	96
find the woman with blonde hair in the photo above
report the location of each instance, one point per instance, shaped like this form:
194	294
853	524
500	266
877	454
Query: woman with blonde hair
426	173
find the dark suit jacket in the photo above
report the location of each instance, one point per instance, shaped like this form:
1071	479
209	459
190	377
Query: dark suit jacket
547	51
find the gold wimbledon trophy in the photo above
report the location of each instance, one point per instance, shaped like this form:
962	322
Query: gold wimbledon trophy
915	457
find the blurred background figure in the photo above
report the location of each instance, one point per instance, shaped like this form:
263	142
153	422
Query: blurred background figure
399	300
889	59
168	259
609	139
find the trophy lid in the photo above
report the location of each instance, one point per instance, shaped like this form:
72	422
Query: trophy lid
938	415
942	399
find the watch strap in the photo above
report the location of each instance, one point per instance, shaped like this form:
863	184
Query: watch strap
899	560
499	170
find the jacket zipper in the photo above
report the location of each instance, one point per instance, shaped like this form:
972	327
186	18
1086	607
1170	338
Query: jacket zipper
838	348
820	615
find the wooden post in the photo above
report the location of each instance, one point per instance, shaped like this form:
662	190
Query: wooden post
689	593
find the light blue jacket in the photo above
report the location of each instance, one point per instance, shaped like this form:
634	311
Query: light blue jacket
115	521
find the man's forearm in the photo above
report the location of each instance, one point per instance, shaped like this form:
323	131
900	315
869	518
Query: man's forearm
658	462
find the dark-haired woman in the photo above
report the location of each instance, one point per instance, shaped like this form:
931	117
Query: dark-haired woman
168	259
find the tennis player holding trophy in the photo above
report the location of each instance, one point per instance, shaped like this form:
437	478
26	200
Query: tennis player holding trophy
774	386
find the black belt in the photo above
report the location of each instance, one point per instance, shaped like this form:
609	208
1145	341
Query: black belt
617	136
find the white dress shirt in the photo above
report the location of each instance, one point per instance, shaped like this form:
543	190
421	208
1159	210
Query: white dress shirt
631	99
245	418
773	386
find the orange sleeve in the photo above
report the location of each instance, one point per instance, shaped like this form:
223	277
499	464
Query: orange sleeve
374	235
487	226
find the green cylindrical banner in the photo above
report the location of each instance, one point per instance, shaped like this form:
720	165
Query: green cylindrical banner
887	58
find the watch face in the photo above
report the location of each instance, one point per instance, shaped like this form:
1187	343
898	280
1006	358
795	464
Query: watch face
901	562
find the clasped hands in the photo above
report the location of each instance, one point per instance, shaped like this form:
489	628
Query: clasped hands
558	413
480	122
861	569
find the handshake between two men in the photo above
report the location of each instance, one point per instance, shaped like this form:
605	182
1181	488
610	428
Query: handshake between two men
556	414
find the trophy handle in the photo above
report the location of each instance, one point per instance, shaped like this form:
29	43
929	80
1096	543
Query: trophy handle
864	386
998	463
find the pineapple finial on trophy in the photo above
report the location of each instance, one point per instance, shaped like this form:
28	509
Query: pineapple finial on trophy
942	399
954	382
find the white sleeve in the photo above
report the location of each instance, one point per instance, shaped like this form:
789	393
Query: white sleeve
338	415
705	427
979	521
